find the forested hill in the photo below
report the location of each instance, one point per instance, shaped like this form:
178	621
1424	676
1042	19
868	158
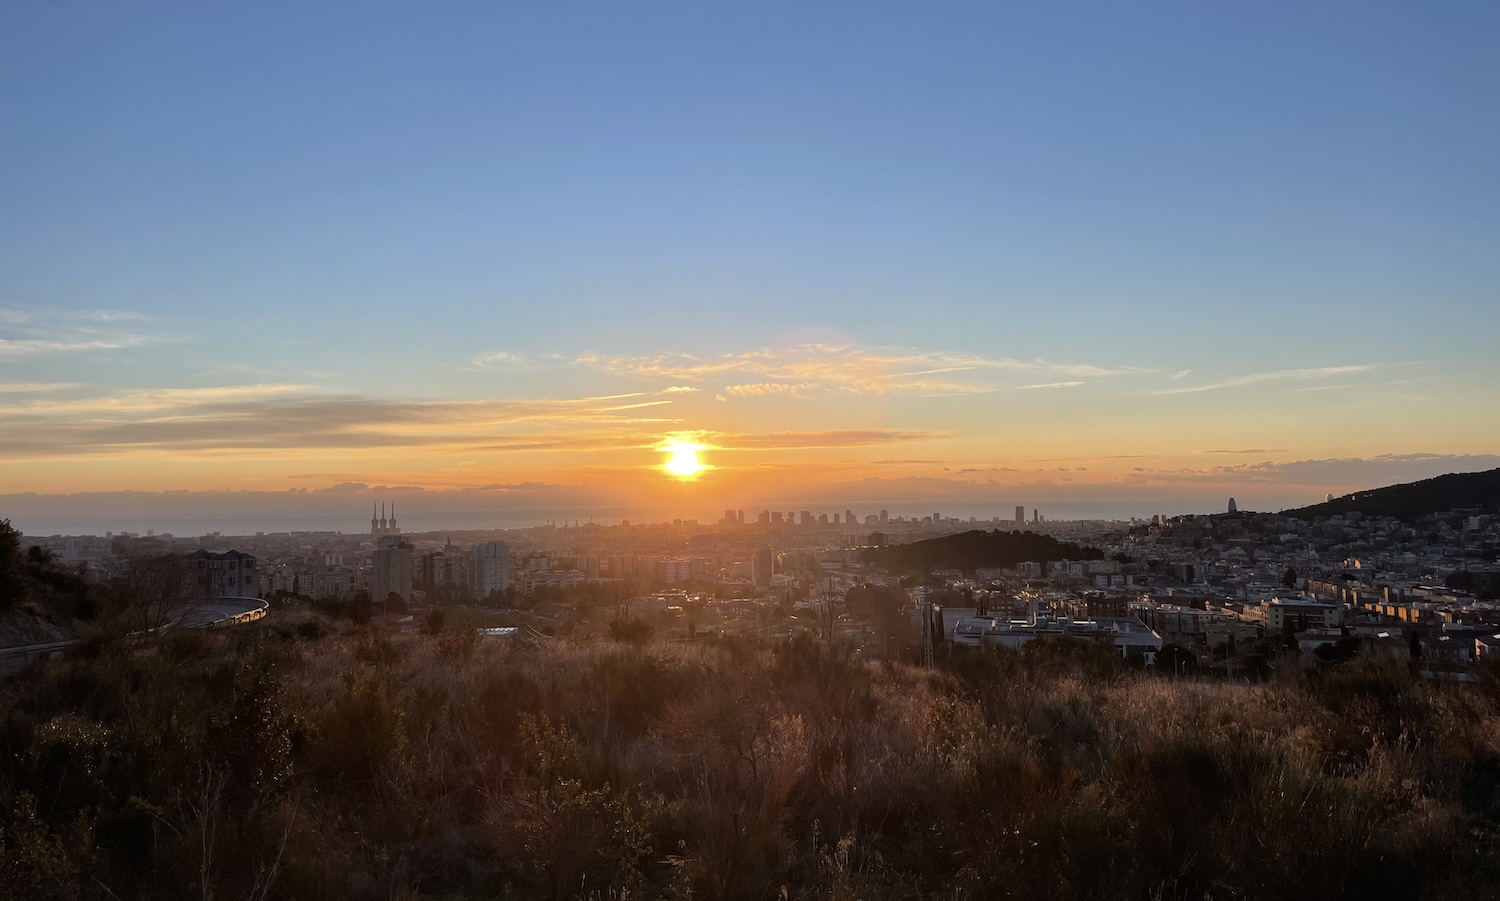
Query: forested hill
978	549
1455	491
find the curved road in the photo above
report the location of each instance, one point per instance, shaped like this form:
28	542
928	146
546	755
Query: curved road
182	613
207	613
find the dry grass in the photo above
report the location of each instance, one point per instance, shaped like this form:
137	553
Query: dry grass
441	766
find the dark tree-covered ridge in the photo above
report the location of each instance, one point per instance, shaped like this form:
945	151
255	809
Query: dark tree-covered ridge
1413	500
978	549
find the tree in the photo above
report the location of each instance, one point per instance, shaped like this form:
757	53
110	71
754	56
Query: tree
632	630
1176	660
1341	651
14	588
1289	578
146	589
361	608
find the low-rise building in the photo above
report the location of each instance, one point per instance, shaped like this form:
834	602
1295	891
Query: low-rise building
226	574
1126	634
1300	614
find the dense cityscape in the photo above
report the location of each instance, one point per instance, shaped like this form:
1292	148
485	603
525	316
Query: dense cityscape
1212	585
680	709
731	451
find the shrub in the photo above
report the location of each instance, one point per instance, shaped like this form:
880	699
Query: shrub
367	764
631	629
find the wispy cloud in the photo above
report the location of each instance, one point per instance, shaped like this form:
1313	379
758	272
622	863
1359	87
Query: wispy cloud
14	348
516	359
34	387
1277	375
845	369
771	389
42	317
496	359
29	333
732	441
1319	388
258	419
1074	384
160	401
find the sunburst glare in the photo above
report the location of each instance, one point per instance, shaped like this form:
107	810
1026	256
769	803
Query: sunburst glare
682	460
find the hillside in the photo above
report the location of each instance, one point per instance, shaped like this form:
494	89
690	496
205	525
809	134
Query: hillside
978	550
22	627
1414	500
40	601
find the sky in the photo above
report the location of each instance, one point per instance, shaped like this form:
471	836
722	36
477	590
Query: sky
276	259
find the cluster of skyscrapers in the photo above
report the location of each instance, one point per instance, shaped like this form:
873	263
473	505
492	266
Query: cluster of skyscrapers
808	518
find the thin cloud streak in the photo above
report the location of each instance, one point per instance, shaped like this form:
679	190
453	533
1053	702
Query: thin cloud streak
16	348
158	400
28	334
843	369
254	418
35	387
830	438
1275	375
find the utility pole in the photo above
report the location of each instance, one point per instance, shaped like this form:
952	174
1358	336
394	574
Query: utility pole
926	629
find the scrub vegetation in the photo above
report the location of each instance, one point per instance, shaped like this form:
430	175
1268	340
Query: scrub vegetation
303	759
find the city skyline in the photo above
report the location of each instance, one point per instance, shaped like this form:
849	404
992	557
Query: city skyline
479	259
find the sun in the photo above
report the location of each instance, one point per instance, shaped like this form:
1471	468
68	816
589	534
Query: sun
682	460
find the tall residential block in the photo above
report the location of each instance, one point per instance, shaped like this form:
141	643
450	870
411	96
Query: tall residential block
490	569
762	566
391	572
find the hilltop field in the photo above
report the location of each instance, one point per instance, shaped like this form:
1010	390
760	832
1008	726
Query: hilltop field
303	759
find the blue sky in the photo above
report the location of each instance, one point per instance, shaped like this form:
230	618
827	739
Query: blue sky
366	198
